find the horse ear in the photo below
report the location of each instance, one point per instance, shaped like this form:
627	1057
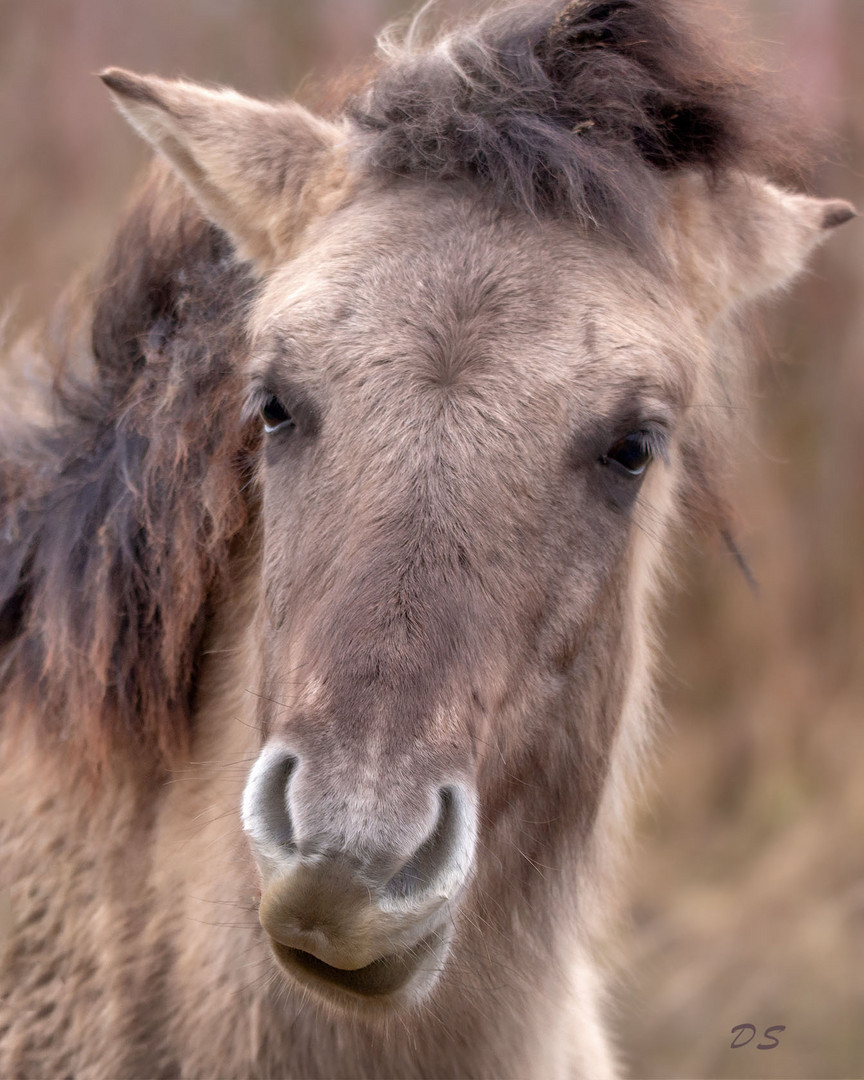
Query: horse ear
743	238
250	164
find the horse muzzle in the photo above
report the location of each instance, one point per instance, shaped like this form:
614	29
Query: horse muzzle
359	891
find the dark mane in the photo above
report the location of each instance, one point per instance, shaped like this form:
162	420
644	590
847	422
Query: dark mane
117	520
577	112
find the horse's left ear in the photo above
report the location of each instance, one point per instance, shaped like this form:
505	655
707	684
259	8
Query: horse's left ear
253	167
743	238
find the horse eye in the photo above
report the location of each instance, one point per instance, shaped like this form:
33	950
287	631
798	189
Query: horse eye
274	414
632	453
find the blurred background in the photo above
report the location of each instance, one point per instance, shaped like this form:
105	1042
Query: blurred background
747	887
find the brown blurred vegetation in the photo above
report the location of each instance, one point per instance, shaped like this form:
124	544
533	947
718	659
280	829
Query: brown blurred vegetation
748	883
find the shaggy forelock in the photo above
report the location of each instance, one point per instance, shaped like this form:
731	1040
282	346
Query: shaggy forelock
577	112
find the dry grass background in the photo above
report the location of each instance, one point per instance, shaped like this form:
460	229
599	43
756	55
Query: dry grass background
748	878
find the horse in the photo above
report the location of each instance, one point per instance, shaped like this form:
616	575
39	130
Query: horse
332	546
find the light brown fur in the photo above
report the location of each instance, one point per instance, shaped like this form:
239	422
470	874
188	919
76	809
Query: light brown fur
436	577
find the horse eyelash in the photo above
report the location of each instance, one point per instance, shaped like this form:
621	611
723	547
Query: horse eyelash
254	401
655	439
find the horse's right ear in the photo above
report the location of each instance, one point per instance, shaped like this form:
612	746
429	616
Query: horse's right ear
254	167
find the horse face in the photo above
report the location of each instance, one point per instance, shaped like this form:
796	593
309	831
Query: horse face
468	452
476	428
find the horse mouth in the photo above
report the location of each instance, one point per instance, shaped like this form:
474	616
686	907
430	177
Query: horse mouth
385	978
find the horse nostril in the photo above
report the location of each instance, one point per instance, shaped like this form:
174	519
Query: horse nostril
440	863
265	813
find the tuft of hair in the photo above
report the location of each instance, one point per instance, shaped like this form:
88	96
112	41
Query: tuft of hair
576	112
117	516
